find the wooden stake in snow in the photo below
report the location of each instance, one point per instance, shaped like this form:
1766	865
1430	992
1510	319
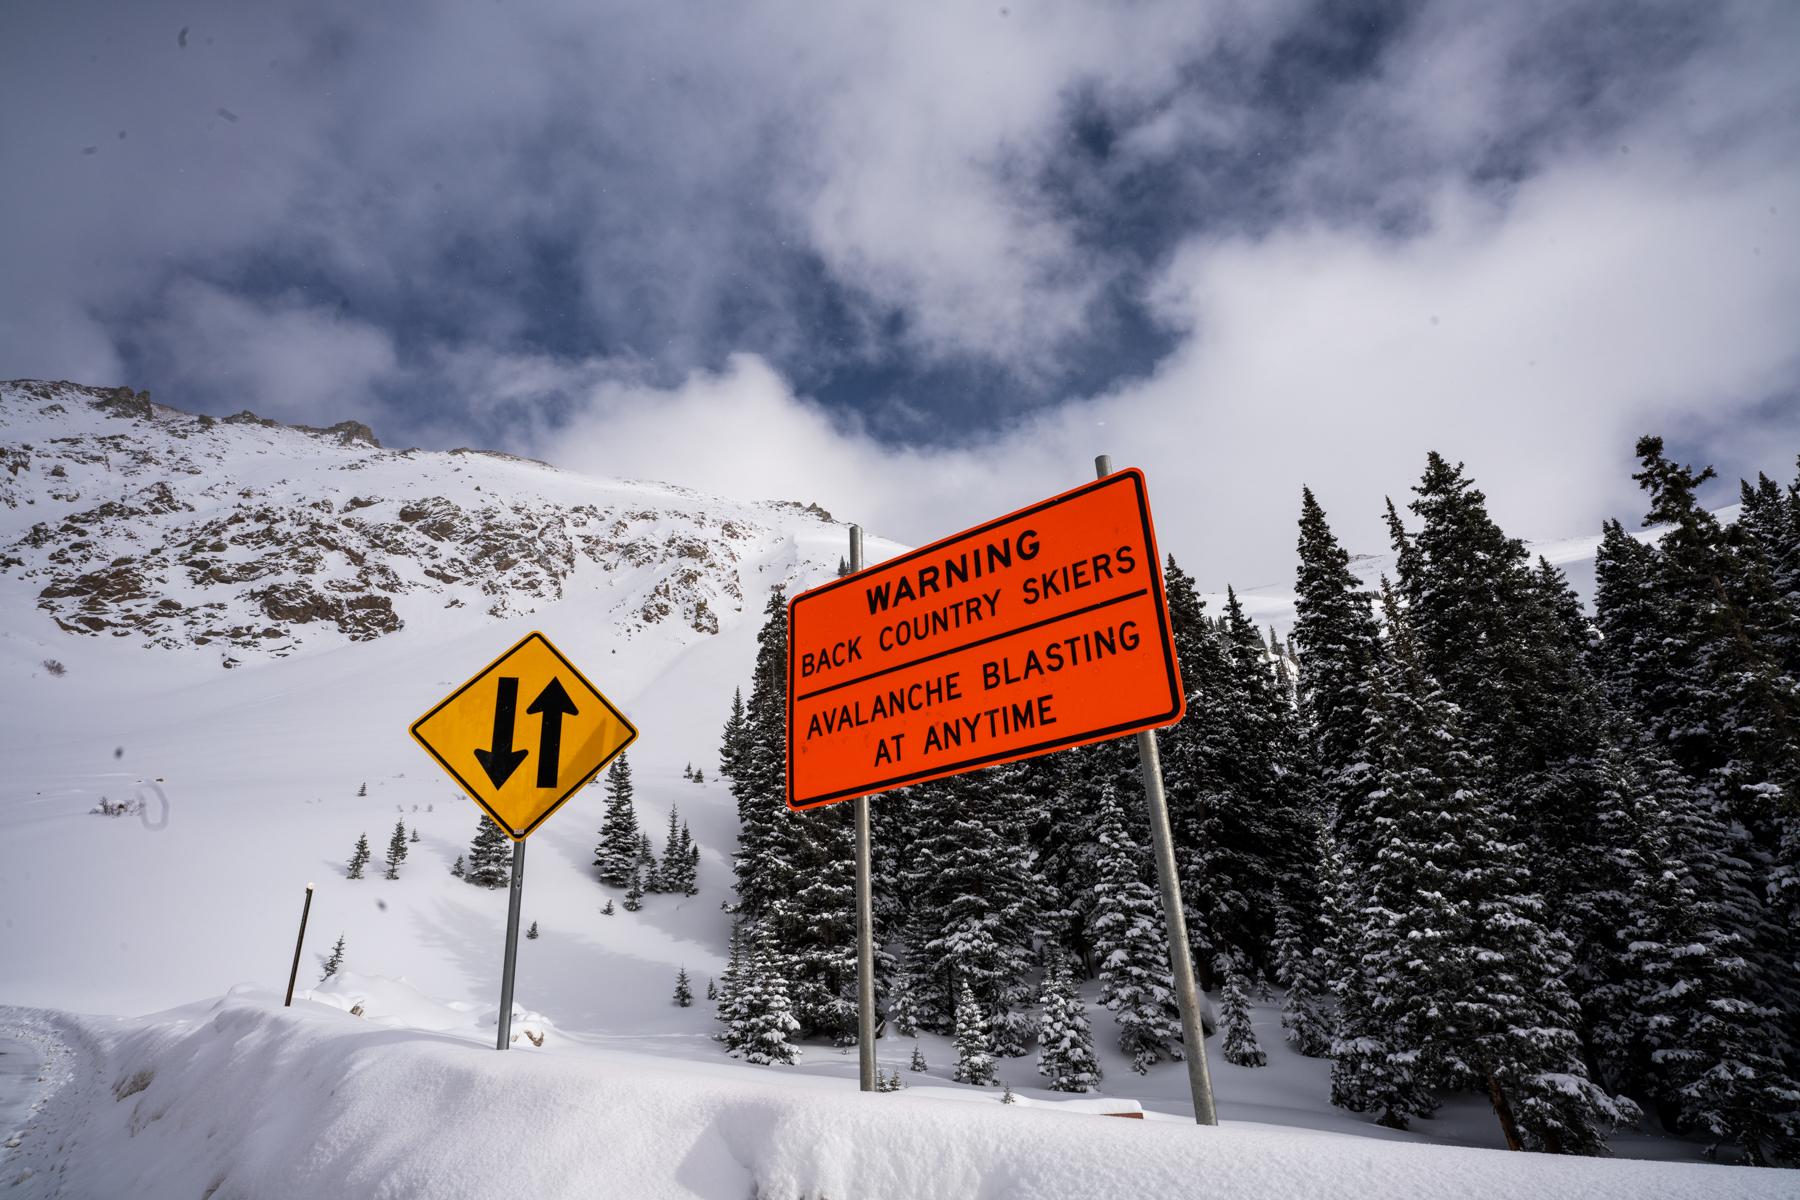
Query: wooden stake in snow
298	943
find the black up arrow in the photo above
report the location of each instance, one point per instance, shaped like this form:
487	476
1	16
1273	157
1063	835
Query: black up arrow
503	760
554	703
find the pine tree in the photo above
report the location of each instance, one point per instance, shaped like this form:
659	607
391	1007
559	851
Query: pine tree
396	852
1468	984
699	775
690	870
532	933
974	1061
672	873
617	855
1006	1094
414	837
606	910
712	989
336	961
359	857
1241	1048
762	1027
974	895
1131	946
1694	1031
731	742
456	868
684	997
918	1060
490	856
649	870
1065	1043
634	891
362	790
888	1081
1302	971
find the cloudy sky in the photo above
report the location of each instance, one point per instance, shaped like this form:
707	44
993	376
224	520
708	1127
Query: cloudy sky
920	262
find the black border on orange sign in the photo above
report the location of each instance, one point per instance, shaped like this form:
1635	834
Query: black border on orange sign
575	787
1133	475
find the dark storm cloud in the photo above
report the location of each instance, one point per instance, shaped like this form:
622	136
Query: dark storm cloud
1247	244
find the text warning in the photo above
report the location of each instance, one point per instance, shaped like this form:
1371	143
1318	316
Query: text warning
1041	630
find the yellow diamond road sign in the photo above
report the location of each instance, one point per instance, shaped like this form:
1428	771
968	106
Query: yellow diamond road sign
524	735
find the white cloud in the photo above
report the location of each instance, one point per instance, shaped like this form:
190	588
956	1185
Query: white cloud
280	357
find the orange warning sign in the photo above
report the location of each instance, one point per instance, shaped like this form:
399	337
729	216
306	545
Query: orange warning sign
1041	630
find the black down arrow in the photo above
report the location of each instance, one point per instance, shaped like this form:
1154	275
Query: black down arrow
554	704
503	760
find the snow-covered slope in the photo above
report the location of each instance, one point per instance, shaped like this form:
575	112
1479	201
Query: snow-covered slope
240	1098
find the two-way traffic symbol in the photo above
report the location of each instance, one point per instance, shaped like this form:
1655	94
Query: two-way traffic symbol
553	704
474	734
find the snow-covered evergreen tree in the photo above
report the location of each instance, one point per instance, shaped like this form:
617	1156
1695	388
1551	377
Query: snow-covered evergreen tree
1131	945
974	895
456	868
731	742
396	853
616	856
974	1057
335	960
1065	1043
634	889
761	1027
918	1060
1241	1047
359	857
532	933
1301	970
490	855
684	995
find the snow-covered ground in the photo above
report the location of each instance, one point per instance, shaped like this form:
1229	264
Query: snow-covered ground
249	781
240	1098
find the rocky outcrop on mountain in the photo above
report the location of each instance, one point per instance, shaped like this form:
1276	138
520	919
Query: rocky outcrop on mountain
131	519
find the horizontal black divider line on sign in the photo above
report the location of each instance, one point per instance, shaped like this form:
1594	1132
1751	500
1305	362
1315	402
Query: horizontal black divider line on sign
992	637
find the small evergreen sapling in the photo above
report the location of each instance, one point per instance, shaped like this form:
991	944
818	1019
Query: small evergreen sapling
532	933
1006	1094
396	853
684	996
888	1081
335	961
918	1060
974	1060
1241	1048
359	858
634	894
712	989
363	790
415	832
456	868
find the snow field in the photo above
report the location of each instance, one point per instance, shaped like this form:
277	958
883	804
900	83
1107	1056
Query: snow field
240	1098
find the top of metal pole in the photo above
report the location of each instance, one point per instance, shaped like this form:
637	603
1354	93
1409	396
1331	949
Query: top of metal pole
1102	466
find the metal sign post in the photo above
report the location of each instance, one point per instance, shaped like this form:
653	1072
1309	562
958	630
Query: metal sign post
1193	1036
513	905
300	941
865	908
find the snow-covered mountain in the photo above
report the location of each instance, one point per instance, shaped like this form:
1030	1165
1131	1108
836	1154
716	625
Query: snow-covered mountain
132	519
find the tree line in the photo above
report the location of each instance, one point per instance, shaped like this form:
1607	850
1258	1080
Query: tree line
1481	840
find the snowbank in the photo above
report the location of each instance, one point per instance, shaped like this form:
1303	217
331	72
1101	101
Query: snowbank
241	1098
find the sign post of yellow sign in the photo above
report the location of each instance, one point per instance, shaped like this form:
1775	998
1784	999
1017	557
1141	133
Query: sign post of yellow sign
521	737
524	735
